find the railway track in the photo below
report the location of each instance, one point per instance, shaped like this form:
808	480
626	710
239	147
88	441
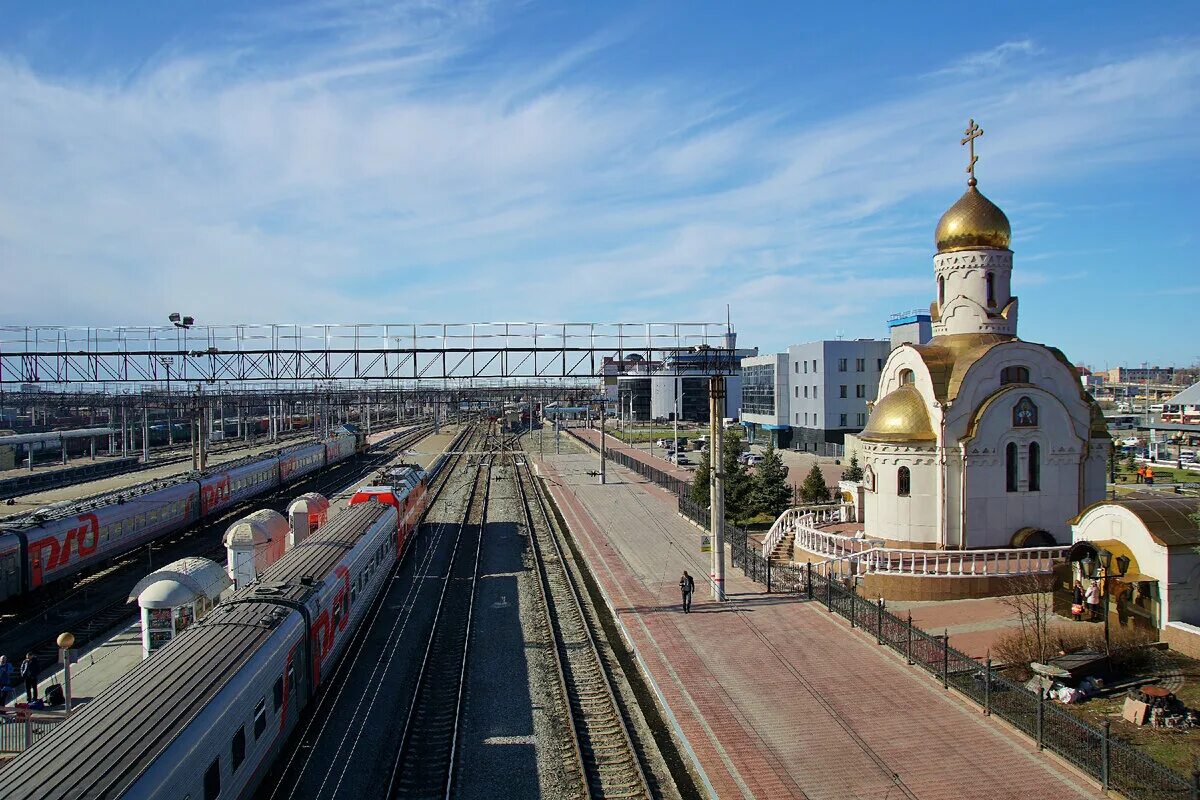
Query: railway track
102	615
425	761
603	751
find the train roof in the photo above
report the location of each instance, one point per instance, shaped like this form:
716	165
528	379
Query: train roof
314	557
105	745
108	743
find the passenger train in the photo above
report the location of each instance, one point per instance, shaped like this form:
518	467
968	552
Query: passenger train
62	539
206	716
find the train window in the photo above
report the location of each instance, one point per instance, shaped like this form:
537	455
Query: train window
291	678
237	752
337	614
278	693
260	718
212	780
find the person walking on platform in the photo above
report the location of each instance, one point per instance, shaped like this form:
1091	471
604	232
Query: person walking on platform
6	675
29	674
687	587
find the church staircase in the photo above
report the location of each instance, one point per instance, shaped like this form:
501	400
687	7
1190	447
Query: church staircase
782	552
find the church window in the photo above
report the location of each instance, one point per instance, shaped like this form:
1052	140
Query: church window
1014	375
991	290
907	376
1025	414
1035	467
903	482
1010	465
941	290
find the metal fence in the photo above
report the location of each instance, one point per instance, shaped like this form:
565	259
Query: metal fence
1113	763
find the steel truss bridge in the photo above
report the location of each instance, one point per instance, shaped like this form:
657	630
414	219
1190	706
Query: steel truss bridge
523	352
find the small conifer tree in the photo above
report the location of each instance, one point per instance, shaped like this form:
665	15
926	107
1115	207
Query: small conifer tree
854	471
771	493
814	490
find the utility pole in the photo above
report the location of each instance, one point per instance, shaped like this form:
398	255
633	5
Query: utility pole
602	416
716	493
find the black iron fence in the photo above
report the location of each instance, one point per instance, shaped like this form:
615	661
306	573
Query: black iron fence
1115	764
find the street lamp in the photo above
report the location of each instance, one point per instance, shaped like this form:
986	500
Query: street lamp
66	641
167	361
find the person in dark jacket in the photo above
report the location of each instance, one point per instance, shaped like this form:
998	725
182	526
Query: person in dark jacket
29	674
6	676
687	587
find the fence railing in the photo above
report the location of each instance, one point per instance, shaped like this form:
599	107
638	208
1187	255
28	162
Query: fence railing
20	729
945	563
803	521
1111	762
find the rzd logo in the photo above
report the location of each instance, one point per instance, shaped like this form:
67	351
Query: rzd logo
86	537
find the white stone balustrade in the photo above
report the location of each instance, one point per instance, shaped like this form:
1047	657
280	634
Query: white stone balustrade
803	521
1010	561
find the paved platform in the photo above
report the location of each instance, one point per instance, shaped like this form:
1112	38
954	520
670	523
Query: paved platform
775	696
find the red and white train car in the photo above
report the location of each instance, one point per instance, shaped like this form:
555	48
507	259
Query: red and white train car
206	716
405	489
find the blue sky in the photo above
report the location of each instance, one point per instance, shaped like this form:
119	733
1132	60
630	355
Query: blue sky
356	161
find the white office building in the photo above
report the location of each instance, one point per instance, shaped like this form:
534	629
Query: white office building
764	400
831	383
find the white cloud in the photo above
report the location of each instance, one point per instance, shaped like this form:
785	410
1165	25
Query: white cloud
378	177
985	61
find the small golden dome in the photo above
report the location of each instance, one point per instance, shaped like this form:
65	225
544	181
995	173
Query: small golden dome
899	417
973	223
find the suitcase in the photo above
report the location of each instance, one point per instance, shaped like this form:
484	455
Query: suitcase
54	695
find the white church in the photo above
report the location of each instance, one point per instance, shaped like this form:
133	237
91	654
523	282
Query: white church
979	439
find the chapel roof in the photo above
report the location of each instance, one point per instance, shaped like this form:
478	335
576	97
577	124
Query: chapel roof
1168	519
900	416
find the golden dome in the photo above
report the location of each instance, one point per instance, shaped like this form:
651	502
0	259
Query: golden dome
899	417
973	223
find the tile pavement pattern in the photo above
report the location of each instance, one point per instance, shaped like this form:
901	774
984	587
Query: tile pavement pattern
775	696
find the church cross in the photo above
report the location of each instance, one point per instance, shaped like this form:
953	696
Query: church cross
972	132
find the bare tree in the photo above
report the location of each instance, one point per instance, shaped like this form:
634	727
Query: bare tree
1031	601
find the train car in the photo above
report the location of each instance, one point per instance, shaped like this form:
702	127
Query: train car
11	569
64	539
405	488
299	460
205	717
231	483
340	447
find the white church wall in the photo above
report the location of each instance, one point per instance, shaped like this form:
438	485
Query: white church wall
911	518
995	514
1181	593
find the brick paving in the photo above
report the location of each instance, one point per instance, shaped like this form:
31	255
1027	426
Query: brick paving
776	697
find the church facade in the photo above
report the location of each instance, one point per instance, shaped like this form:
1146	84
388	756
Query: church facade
979	439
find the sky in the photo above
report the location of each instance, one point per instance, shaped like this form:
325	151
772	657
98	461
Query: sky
353	161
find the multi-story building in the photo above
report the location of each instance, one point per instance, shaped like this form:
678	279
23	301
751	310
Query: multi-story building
679	387
831	383
764	401
1141	375
910	327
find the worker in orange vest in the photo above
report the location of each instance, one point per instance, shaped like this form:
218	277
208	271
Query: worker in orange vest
1150	475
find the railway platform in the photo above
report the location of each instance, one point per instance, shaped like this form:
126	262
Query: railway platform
774	696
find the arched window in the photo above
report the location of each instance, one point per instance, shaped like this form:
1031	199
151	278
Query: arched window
907	376
991	289
1035	467
1010	467
941	291
1014	375
903	482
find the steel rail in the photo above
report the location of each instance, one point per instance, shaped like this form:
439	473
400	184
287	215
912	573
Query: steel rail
612	765
408	760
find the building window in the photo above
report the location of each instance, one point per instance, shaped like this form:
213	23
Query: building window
861	419
1035	467
991	290
903	482
212	780
814	365
1014	375
797	392
814	393
1010	467
842	391
860	365
1025	414
841	420
805	367
879	365
841	365
805	391
860	390
758	390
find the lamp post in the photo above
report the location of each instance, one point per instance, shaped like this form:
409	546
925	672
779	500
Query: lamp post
66	641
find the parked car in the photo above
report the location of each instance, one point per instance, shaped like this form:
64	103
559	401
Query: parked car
753	459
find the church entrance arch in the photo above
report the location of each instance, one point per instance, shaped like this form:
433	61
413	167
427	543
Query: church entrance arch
1033	537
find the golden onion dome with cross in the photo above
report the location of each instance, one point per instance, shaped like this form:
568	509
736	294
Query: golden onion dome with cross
974	222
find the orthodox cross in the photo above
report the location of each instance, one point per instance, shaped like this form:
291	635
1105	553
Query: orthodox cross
972	132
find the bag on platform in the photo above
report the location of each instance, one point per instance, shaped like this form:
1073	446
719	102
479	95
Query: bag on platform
1077	609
